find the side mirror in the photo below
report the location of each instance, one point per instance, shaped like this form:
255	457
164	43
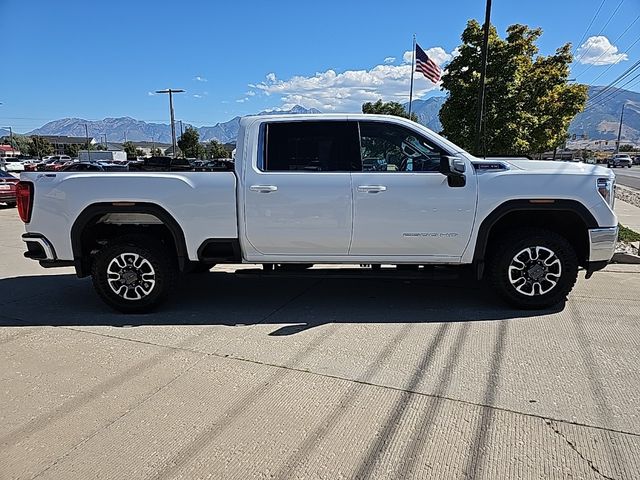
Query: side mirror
453	168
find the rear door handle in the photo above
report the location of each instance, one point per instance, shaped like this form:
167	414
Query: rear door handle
372	188
263	188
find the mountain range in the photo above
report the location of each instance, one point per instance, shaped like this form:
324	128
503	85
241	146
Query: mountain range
597	122
127	128
601	121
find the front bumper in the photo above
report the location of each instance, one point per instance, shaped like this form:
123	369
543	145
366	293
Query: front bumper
602	243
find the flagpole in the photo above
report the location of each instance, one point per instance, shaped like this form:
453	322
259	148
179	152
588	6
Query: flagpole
413	59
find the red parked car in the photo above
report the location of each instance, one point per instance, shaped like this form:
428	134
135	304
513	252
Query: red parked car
8	188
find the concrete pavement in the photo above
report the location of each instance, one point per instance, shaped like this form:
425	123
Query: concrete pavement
628	215
244	377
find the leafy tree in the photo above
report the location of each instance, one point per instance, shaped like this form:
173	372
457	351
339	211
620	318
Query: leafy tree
41	147
156	152
215	149
528	100
625	147
139	152
387	108
130	149
24	144
72	150
189	143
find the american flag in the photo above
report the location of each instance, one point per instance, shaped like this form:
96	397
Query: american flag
426	66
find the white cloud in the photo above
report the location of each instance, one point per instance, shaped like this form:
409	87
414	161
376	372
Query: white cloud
197	96
250	93
151	94
198	78
437	54
347	91
389	59
242	100
599	51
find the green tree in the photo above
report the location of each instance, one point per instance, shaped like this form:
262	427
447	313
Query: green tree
528	100
24	144
626	147
130	149
189	143
215	149
387	108
72	150
41	147
156	152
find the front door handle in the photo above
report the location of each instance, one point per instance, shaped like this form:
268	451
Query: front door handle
372	188
263	188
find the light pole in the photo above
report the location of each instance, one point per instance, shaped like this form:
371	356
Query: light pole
620	129
86	133
10	135
171	91
483	74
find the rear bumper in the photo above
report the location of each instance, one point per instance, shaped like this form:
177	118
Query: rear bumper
602	243
38	247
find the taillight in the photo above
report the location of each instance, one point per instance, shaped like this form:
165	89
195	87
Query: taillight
24	199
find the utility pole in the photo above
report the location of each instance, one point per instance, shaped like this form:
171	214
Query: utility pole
483	74
171	91
620	129
181	131
86	133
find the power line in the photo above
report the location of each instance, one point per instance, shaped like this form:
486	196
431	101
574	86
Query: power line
601	30
611	66
616	92
610	47
589	26
624	74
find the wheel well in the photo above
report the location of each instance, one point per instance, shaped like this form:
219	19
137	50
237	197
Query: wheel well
564	222
99	224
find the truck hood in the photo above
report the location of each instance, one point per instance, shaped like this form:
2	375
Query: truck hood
547	166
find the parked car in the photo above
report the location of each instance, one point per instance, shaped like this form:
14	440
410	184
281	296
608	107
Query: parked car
636	160
82	167
620	160
299	195
14	166
8	188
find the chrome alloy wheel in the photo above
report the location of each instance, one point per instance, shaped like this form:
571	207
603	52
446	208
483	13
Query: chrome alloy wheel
535	271
131	276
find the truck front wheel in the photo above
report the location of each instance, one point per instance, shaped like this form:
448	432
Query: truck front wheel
133	273
534	268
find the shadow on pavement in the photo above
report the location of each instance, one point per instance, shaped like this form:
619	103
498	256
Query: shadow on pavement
231	299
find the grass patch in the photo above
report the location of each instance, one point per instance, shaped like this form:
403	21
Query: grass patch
627	235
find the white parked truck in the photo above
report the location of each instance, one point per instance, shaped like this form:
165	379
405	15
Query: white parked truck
102	156
317	189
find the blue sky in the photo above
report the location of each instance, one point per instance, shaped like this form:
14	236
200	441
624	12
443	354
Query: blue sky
93	60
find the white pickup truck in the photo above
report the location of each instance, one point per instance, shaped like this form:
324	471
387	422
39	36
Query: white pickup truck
317	189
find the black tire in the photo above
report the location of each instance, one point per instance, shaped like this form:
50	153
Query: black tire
159	267
535	289
12	204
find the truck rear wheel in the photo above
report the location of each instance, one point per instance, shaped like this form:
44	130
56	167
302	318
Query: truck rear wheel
133	273
534	269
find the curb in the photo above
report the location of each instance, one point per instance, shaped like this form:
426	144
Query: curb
627	258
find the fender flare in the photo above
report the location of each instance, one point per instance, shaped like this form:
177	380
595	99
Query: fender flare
96	209
528	205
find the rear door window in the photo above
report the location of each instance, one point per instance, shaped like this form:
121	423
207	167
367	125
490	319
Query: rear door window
309	146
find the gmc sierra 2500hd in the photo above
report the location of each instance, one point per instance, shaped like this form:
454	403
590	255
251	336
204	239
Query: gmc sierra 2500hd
313	189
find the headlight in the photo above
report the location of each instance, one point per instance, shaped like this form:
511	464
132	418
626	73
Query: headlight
606	188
